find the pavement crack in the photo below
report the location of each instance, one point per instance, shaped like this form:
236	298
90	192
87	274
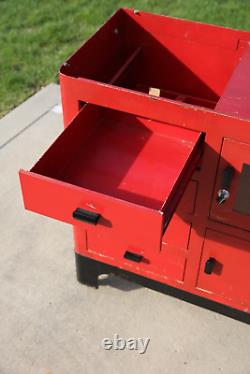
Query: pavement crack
26	127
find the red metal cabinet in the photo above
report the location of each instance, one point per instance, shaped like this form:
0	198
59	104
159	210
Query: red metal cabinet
140	115
229	276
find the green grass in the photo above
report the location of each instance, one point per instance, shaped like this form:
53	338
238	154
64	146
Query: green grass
37	36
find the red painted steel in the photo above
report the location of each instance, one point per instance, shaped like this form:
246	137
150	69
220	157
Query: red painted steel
126	168
226	212
131	156
230	276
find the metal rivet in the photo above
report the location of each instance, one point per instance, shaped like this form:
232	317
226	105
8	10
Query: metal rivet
136	11
116	31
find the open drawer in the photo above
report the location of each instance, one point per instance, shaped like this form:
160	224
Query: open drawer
117	175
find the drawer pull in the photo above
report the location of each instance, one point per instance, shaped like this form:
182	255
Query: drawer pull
209	266
133	256
86	216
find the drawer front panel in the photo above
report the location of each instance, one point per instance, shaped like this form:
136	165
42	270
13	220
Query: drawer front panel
175	239
173	263
235	210
178	230
122	226
187	203
170	262
224	268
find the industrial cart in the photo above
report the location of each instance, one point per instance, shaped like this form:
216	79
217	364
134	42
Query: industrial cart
153	166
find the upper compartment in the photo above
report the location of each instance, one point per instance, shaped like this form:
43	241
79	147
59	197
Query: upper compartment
182	61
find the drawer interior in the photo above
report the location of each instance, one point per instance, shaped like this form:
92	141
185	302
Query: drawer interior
122	156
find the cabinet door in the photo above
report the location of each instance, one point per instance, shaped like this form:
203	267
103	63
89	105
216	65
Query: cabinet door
225	267
235	210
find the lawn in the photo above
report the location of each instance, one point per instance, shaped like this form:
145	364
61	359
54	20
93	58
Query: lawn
37	36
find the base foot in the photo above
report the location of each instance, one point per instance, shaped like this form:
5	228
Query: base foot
86	271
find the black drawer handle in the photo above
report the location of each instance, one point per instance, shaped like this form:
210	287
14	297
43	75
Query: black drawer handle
86	216
209	266
133	256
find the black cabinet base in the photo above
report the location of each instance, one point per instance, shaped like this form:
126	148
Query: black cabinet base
88	270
